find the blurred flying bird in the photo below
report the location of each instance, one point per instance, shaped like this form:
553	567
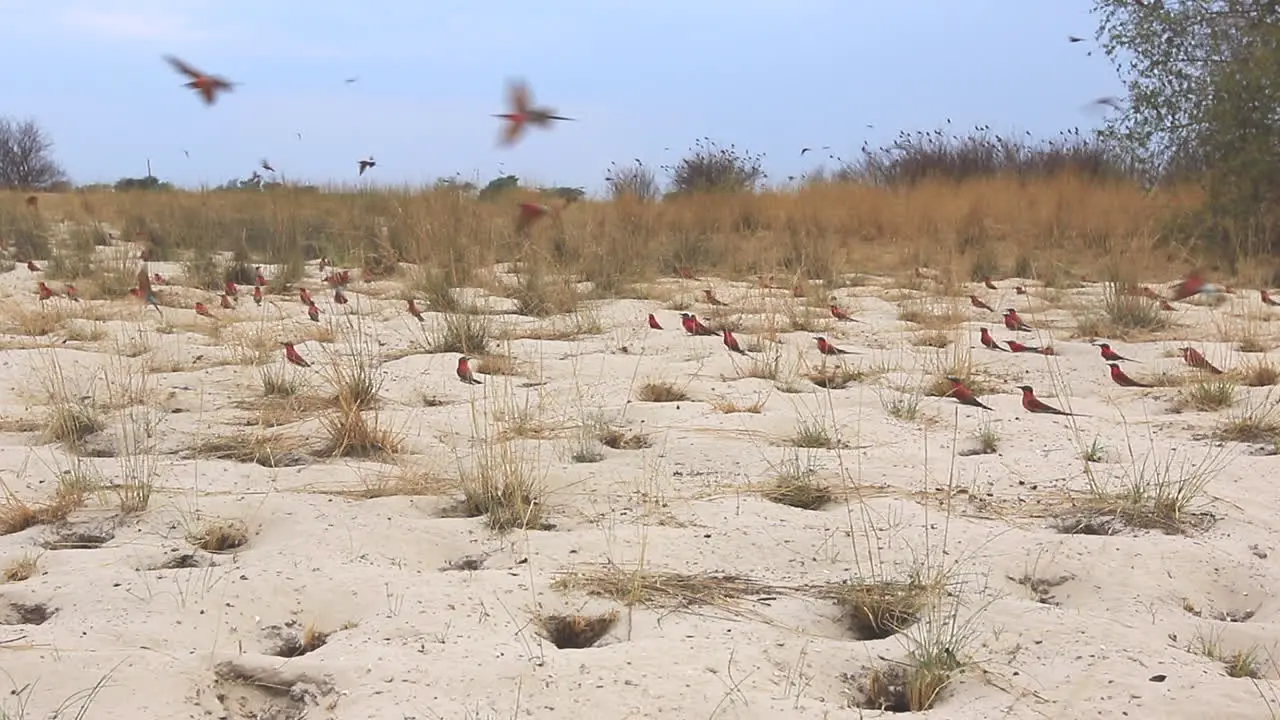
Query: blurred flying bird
528	215
524	112
266	165
207	85
366	164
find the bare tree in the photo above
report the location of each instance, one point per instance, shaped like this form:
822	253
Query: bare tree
26	157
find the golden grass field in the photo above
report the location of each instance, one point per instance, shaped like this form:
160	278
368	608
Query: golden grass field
622	521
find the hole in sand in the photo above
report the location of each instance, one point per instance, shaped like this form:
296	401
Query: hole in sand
875	611
26	614
217	536
184	561
575	632
290	642
77	540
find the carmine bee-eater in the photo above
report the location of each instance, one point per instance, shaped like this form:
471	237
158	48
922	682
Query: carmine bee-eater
1192	357
989	342
202	310
207	85
1111	355
989	285
653	322
694	326
1033	404
44	291
731	342
73	293
1192	284
257	294
339	296
975	301
827	348
711	298
1013	322
523	112
305	297
145	292
414	311
1119	378
963	394
1017	347
1267	299
324	263
258	278
529	214
313	312
226	302
32	266
293	356
842	316
158	279
465	374
231	289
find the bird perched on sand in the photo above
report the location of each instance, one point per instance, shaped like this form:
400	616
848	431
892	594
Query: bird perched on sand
989	342
207	85
414	311
1014	322
523	112
653	322
1192	357
1119	377
465	373
293	356
827	348
1033	404
963	394
1111	355
842	315
731	342
1268	300
694	326
709	295
975	301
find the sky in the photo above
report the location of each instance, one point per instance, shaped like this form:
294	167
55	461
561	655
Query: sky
643	80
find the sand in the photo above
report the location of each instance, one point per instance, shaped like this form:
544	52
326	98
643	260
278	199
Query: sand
1101	626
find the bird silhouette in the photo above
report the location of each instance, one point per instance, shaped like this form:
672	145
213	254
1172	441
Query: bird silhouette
207	85
266	165
366	164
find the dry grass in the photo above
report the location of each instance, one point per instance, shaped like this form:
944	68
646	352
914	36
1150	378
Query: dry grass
219	535
1209	395
575	632
663	590
23	567
504	486
269	450
661	392
876	610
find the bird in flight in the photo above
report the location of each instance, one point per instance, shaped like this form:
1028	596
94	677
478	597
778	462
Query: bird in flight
266	165
366	164
523	112
350	80
207	85
1110	101
1074	39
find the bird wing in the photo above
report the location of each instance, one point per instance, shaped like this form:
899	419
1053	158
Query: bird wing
519	95
182	67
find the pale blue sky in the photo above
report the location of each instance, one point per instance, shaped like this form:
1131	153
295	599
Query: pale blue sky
640	77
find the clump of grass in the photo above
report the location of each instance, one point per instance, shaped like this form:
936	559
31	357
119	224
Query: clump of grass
356	382
496	365
502	485
1238	663
1157	494
876	610
617	438
270	450
932	338
814	433
537	295
405	481
24	567
1258	373
765	365
1207	395
219	535
902	405
277	382
576	632
1126	314
796	485
986	440
837	378
463	333
70	421
1252	423
355	433
931	313
661	391
729	406
1095	452
662	590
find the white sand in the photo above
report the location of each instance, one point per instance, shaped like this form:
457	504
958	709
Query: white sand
426	643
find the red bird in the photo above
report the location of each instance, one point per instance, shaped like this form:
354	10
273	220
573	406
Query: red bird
258	278
1020	290
523	112
731	342
990	285
45	292
1017	347
324	263
988	341
1192	284
1119	378
976	302
158	279
257	294
712	299
32	266
1033	404
1266	298
1111	355
1164	305
464	371
207	85
313	312
293	356
72	293
230	289
963	394
305	297
339	296
653	323
1192	357
1013	322
226	302
841	315
827	348
694	326
202	310
529	214
414	311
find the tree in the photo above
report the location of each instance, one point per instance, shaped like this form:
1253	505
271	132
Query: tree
711	168
1203	80
26	157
